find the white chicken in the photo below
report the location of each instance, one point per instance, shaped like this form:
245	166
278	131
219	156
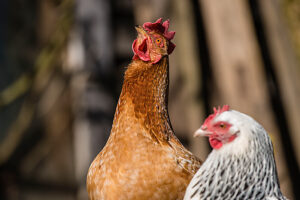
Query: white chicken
241	164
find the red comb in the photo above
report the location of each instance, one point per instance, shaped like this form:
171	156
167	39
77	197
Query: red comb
216	112
161	28
220	110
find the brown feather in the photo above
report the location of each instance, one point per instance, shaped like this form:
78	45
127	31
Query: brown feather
142	159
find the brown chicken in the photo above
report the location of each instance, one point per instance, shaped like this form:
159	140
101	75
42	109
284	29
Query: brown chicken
143	159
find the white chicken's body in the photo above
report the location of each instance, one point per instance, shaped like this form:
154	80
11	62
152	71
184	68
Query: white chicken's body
241	169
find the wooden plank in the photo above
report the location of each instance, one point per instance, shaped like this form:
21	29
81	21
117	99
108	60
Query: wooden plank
186	111
286	67
238	70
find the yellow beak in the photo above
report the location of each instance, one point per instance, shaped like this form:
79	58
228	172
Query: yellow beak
202	132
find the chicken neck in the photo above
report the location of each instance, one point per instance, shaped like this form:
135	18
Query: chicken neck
145	89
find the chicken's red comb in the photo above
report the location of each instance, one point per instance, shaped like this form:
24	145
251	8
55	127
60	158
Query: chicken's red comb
220	110
161	28
216	112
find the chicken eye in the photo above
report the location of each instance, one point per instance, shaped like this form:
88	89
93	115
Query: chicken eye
158	41
222	126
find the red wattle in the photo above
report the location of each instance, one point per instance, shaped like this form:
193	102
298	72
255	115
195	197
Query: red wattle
215	143
141	50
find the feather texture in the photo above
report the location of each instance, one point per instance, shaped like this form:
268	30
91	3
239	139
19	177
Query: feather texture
142	159
242	169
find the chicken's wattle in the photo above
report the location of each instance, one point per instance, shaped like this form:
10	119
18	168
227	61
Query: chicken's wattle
215	143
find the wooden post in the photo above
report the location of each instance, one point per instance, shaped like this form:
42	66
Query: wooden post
186	111
286	67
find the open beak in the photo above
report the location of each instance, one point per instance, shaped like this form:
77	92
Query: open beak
141	31
202	132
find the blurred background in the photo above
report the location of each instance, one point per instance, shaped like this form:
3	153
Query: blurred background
61	71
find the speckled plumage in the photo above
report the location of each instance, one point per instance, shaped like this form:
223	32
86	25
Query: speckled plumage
242	169
142	159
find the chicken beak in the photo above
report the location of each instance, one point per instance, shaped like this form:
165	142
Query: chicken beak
141	31
202	132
